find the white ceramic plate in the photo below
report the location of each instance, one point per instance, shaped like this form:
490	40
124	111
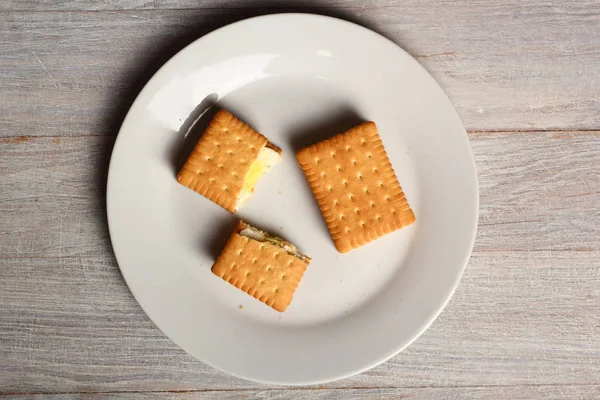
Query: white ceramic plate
296	78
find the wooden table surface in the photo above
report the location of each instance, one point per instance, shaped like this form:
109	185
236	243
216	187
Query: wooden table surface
525	79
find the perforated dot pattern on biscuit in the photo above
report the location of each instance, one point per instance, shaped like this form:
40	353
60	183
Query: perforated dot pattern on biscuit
218	164
355	185
261	270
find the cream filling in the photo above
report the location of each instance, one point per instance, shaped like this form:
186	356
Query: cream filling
260	236
266	159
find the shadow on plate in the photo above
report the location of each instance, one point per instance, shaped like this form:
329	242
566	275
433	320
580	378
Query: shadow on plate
191	131
324	128
221	234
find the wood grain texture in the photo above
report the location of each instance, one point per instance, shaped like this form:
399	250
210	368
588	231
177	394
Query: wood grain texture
70	324
541	186
505	65
53	196
109	5
524	77
547	392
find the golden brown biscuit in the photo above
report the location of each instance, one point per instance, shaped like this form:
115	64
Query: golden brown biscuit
228	161
355	186
265	267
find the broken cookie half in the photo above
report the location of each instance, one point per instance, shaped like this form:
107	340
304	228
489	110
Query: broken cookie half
266	267
228	161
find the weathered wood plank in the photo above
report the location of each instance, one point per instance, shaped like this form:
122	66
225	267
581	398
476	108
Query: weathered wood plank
525	318
52	199
75	5
69	74
538	191
505	65
525	321
541	186
109	5
548	392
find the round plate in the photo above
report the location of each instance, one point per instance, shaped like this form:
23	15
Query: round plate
297	79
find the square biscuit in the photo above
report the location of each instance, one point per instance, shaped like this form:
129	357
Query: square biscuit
218	165
355	186
262	270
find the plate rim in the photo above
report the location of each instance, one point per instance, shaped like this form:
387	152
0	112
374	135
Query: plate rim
473	230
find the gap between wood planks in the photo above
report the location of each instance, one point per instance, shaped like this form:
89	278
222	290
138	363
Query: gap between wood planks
290	388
